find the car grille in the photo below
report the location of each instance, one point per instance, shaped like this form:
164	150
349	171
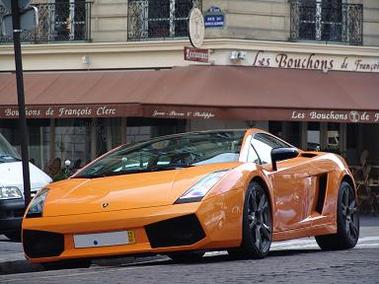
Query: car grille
184	230
42	244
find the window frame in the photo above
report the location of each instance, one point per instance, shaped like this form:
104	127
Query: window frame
139	20
261	162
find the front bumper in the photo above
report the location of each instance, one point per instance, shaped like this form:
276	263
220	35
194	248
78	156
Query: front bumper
11	212
216	231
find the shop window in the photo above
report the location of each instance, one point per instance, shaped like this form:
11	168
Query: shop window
39	142
39	139
138	133
73	141
288	131
275	127
159	19
313	136
326	20
139	129
333	143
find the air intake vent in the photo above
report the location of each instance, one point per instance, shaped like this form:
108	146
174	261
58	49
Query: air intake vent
180	231
322	182
42	244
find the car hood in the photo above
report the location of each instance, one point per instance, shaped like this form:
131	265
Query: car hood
11	175
138	190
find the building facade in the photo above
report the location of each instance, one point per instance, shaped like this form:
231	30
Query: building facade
105	72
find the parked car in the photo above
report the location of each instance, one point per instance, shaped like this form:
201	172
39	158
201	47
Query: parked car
184	194
12	204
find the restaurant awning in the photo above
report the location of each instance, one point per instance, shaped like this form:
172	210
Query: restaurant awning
218	92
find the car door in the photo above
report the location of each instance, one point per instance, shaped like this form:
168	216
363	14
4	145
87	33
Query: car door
290	183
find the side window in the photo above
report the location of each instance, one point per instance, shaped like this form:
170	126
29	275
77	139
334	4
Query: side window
252	156
263	143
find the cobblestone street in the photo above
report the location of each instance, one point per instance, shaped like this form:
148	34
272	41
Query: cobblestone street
297	261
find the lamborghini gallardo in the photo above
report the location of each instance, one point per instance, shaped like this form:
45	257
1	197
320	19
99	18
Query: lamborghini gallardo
185	194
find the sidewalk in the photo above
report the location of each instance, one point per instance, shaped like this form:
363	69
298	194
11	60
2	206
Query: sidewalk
12	258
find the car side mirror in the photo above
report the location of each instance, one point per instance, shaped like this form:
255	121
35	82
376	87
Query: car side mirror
280	154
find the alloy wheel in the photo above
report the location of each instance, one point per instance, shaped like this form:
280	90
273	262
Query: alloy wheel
350	213
259	219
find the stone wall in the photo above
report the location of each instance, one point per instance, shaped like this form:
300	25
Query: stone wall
370	22
252	19
109	20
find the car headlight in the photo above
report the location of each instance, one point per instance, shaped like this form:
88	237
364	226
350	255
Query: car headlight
10	192
201	188
36	205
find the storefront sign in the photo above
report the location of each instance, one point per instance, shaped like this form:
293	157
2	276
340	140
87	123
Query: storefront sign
70	111
336	116
214	18
312	61
191	112
196	54
180	114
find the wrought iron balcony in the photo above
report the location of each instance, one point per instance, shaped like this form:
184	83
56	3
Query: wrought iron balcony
159	19
327	21
57	22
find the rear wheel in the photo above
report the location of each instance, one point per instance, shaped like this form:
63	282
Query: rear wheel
257	224
347	222
67	264
186	257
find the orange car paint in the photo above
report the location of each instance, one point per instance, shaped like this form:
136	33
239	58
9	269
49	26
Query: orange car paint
75	205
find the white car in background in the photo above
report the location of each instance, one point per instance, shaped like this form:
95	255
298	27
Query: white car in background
12	204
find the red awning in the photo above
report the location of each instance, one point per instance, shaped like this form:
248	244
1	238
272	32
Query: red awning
224	91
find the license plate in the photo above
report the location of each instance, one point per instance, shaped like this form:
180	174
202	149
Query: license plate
104	239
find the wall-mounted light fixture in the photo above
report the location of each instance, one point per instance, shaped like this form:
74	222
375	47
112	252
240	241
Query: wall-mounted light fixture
236	55
86	60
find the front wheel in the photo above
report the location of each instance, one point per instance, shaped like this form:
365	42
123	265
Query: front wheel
257	224
347	222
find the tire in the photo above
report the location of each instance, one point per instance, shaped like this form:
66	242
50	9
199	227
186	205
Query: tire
67	264
186	257
347	222
256	226
14	236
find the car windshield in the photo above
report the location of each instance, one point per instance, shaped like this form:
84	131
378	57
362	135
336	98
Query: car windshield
7	153
169	153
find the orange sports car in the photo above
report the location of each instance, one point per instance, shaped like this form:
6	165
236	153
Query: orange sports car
184	194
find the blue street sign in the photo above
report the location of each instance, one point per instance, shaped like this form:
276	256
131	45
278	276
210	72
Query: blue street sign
214	18
211	21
